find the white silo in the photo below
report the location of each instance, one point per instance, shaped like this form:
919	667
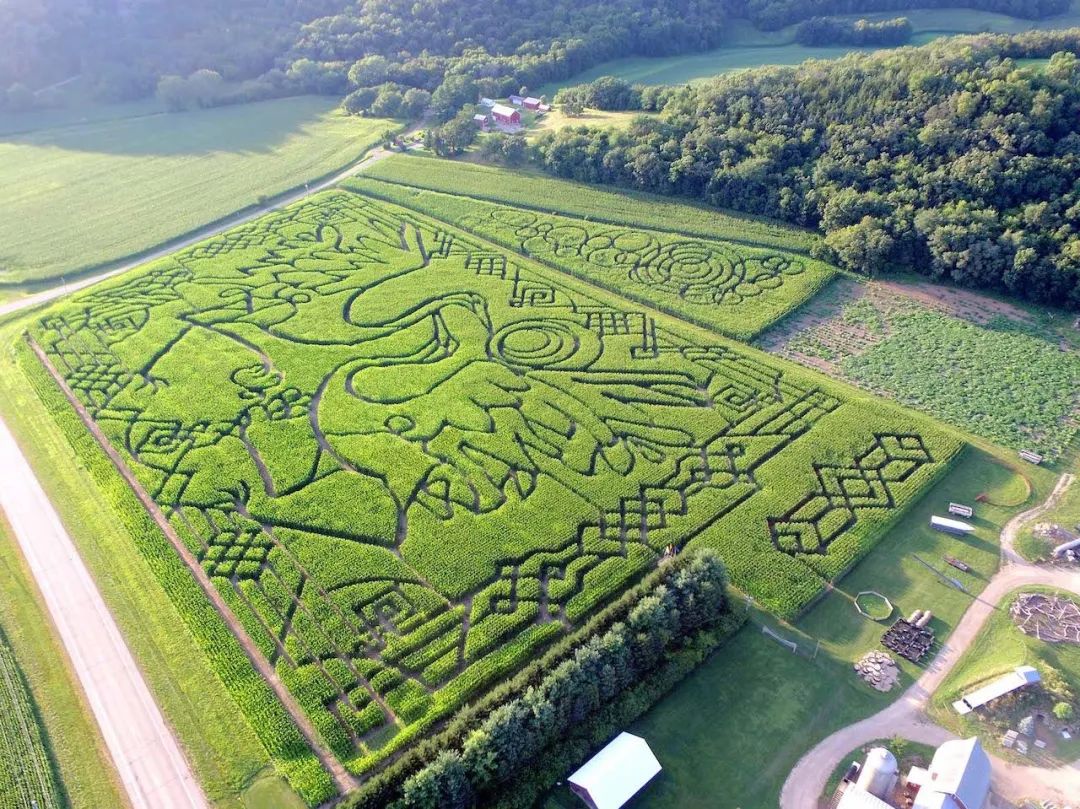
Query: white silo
878	776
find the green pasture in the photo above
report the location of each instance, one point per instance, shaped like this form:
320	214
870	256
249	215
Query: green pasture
747	47
354	415
733	288
999	648
539	192
81	195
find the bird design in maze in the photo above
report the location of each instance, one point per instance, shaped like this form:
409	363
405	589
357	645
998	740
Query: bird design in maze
699	271
816	521
395	449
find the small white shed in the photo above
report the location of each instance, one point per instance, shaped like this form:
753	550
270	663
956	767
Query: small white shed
615	774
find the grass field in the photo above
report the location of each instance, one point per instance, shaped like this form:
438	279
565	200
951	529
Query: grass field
78	196
999	648
86	777
750	48
998	370
231	763
732	288
354	415
1066	514
544	194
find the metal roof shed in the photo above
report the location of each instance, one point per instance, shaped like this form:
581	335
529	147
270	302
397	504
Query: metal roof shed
615	774
1017	678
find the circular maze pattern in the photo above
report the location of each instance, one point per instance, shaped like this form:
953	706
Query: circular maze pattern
537	343
696	270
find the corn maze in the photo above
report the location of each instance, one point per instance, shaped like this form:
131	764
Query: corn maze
26	777
408	459
735	288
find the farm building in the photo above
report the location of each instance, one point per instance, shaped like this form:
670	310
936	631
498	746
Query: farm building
480	120
615	774
950	526
506	115
531	103
855	798
488	102
958	777
1019	677
517	101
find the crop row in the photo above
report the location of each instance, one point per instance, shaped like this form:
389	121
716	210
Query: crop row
586	202
283	741
26	775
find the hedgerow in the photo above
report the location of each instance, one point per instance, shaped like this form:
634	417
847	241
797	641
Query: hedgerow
26	774
417	460
732	288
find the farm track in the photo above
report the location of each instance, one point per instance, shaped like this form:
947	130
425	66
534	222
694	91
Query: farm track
906	717
144	749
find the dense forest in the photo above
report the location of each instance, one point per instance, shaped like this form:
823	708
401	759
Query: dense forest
951	159
373	50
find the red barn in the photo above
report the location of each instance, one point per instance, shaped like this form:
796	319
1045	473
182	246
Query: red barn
532	103
506	115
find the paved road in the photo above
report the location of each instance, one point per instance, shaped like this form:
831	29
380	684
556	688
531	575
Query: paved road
144	749
372	157
906	717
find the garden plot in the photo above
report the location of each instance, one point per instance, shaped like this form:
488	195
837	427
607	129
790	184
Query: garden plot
982	364
407	459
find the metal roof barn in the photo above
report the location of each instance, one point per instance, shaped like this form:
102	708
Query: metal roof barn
615	774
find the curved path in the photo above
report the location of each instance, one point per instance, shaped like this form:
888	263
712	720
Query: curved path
373	156
144	749
906	717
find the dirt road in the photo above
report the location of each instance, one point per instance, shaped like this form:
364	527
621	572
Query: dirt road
144	749
906	717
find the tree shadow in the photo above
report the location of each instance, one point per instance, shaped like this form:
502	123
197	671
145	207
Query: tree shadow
253	128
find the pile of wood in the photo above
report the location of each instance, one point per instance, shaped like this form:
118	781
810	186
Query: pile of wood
1049	618
908	640
879	670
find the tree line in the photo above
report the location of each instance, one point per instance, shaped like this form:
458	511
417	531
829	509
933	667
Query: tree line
513	750
953	160
861	33
769	15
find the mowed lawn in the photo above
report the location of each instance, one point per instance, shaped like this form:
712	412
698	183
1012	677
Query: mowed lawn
78	196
